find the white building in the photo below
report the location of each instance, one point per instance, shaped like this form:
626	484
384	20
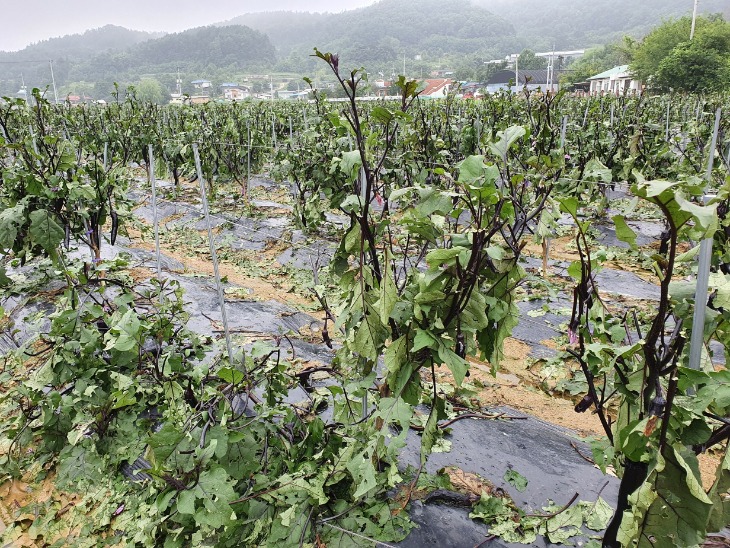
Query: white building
616	81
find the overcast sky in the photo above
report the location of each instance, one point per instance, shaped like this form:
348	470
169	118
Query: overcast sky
25	23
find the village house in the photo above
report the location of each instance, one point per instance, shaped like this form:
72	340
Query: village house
234	92
437	88
202	85
616	81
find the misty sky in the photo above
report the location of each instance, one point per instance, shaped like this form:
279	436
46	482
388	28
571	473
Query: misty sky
28	22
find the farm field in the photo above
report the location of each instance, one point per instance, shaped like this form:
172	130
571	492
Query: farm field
411	323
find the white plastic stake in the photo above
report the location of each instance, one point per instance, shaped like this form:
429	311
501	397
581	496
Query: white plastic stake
363	185
697	342
213	254
106	156
156	220
563	131
248	160
669	107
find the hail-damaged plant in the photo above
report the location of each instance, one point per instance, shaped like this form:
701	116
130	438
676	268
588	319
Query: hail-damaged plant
53	190
426	270
659	426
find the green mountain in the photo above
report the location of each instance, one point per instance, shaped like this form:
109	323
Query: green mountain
198	53
32	65
383	37
378	36
568	24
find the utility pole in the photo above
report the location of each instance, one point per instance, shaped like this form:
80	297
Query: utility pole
694	20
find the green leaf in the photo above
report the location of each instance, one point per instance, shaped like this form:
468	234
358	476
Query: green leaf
507	138
45	231
370	335
597	515
382	115
186	502
671	507
516	480
164	442
423	339
353	239
396	354
496	253
704	216
437	257
570	206
431	429
388	293
624	232
471	169
457	365
596	170
10	220
215	488
4	280
363	472
230	375
350	164
400	193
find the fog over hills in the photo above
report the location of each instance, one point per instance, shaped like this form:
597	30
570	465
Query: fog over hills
426	34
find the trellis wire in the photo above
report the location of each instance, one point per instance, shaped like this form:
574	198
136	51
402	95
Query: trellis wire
214	257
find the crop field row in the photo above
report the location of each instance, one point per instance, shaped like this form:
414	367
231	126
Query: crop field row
456	322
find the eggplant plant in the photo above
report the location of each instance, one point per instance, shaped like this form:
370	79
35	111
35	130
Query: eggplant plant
657	413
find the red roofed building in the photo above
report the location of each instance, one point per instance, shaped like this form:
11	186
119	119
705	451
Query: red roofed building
437	88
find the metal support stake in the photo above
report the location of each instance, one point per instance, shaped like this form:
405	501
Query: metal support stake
669	107
106	156
563	131
291	130
32	136
585	116
697	341
213	254
156	221
248	160
273	131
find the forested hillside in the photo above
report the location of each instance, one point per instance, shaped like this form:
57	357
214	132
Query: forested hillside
581	23
32	63
379	36
422	35
195	52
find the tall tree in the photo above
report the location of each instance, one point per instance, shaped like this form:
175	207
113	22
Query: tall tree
666	58
528	60
149	89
